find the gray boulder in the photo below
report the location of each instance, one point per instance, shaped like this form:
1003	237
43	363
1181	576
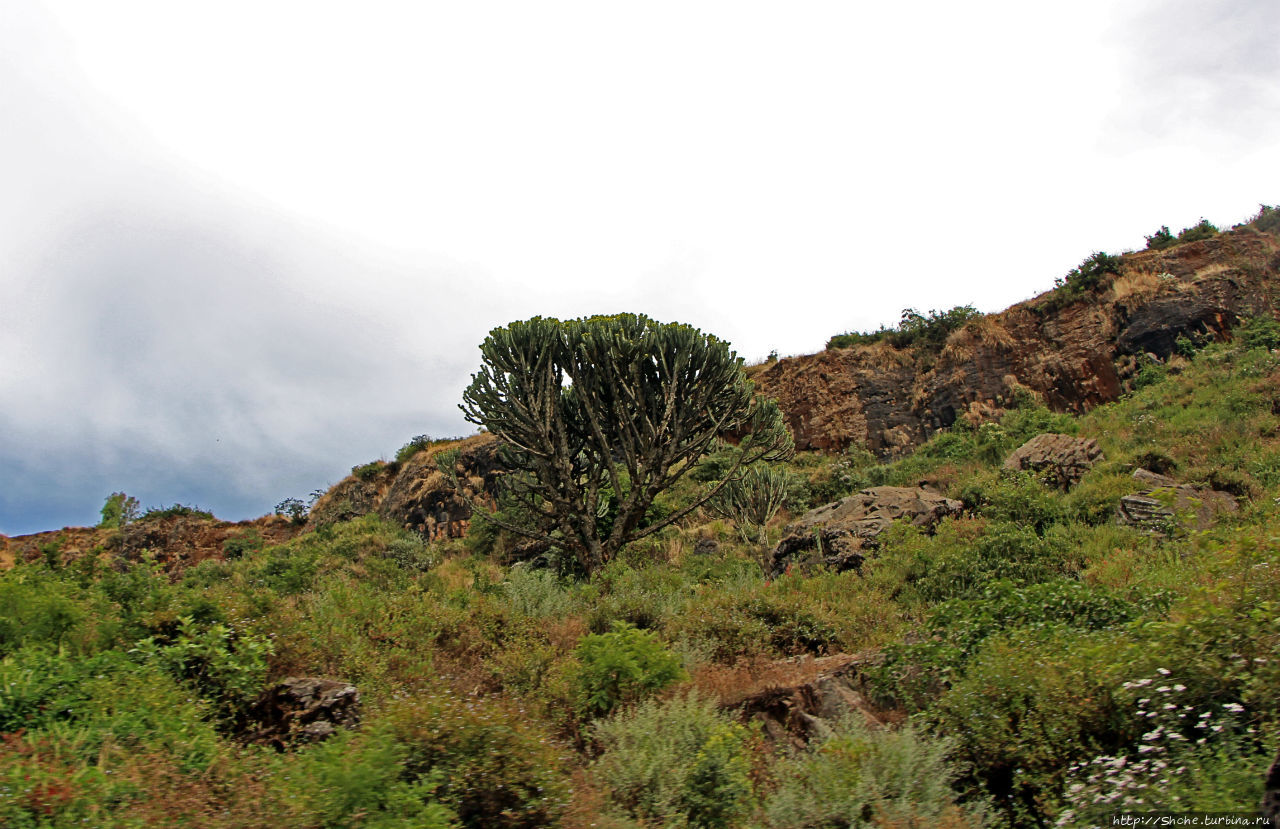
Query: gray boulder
1164	501
1061	460
304	709
838	535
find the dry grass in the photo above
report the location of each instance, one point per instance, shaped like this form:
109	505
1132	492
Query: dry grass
1133	283
986	332
730	685
1210	270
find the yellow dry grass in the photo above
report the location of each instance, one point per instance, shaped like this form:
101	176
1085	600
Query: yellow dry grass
984	331
1134	283
1210	270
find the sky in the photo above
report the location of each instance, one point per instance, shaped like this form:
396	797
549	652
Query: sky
245	246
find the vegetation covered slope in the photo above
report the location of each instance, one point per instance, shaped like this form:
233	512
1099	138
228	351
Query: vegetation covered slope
1030	663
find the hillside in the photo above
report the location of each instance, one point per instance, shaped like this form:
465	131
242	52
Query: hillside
1076	352
954	620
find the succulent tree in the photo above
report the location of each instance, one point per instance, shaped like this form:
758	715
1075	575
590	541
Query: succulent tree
752	500
597	416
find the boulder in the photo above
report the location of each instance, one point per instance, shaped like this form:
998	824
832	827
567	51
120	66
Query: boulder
1271	795
1158	507
1059	459
794	714
840	534
303	709
421	498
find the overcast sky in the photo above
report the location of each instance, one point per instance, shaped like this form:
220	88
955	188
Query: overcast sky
246	245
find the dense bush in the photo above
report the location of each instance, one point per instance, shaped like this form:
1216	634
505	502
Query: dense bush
491	765
1202	229
621	667
860	777
676	763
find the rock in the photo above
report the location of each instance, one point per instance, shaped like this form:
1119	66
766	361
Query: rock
422	499
1157	508
1271	795
839	534
414	494
793	715
303	709
1060	459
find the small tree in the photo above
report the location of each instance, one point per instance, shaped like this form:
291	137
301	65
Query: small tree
597	416
750	503
119	511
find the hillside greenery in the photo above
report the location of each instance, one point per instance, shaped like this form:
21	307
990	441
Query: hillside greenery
1041	665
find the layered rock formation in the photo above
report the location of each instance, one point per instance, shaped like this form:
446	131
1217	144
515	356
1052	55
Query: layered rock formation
1074	357
839	535
415	495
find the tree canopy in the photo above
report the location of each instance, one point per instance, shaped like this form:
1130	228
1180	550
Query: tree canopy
598	415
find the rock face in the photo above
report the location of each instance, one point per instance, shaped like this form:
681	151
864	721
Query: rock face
1074	357
303	710
794	715
1060	459
1159	506
838	535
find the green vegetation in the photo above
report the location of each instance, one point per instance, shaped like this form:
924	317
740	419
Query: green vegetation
915	330
119	511
1037	663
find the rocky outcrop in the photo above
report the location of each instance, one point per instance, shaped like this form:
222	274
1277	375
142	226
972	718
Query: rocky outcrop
303	710
422	499
173	541
414	494
792	715
1061	460
839	535
1074	357
1165	502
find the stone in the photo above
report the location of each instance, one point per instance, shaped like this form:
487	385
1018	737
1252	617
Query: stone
793	714
1271	795
302	709
1159	507
1061	460
838	535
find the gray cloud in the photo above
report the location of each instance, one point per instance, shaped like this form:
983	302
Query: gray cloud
1202	66
162	336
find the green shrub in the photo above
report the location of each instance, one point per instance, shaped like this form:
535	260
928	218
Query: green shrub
1200	230
912	674
1082	279
352	781
293	509
676	763
415	445
1266	220
1004	551
176	511
492	766
1161	239
860	777
251	541
35	610
119	511
1026	709
915	330
622	667
1260	332
368	471
225	667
